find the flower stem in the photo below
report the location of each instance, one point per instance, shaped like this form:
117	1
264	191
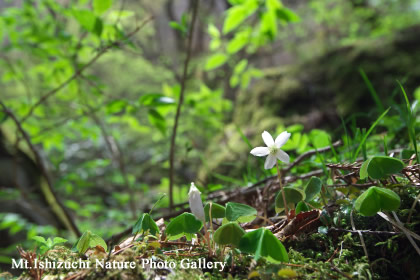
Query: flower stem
282	191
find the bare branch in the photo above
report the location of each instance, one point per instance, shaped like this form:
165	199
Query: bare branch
181	100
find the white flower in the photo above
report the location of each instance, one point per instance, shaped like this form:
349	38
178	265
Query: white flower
196	205
273	149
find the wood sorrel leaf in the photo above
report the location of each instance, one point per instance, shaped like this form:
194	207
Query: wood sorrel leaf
229	234
375	199
240	212
312	188
217	211
301	207
185	224
263	243
293	195
89	240
380	167
145	223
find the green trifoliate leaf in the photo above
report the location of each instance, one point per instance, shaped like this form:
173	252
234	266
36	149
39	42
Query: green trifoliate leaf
185	224
262	243
229	234
240	212
376	199
145	223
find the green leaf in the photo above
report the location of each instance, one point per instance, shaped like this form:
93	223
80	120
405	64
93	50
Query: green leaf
237	14
301	207
217	211
213	31
312	188
287	15
376	199
177	26
185	224
116	106
269	24
319	138
380	167
39	239
363	173
89	240
155	100
88	21
145	223
157	120
262	243
49	243
58	240
239	41
293	195
216	60
240	212
241	66
229	234
101	6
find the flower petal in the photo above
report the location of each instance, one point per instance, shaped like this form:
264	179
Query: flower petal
196	204
260	151
270	161
281	155
282	138
268	139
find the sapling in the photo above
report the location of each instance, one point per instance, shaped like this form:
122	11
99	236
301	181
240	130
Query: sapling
274	153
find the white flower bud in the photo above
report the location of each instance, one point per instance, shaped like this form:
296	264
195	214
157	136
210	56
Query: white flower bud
196	205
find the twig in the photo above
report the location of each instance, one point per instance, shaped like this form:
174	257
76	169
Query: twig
412	208
360	235
310	153
365	185
333	267
400	225
364	231
44	98
178	108
54	202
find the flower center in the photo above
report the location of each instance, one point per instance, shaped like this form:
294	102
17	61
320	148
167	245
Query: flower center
273	149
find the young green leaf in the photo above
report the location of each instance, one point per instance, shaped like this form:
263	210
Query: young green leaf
293	195
101	6
380	167
229	234
145	223
312	188
40	239
376	199
237	14
301	207
217	211
184	224
89	240
240	212
58	240
263	243
216	60
363	173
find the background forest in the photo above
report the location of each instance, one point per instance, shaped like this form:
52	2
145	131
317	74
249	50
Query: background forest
91	92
